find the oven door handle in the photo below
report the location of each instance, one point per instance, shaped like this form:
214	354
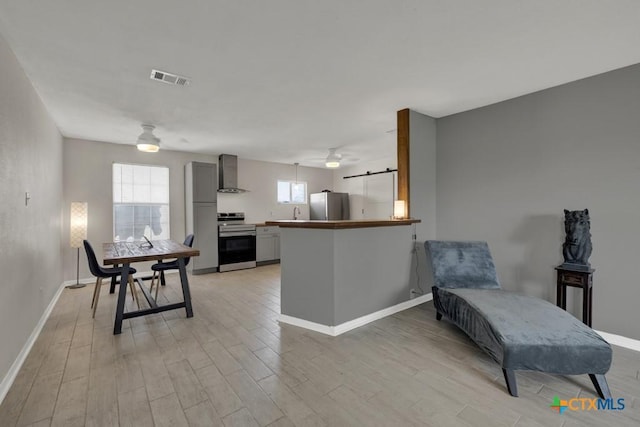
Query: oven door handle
237	233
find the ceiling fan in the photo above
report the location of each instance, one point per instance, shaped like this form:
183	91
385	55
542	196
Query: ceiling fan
334	159
147	141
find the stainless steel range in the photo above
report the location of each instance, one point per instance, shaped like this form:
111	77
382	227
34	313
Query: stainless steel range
236	242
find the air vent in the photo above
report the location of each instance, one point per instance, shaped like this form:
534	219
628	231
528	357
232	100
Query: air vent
172	79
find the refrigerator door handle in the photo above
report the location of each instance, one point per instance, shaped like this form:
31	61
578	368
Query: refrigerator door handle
326	208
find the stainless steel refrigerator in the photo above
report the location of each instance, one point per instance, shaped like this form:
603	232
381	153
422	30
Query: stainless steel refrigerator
329	206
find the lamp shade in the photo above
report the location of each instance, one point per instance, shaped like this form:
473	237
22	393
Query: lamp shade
399	209
78	223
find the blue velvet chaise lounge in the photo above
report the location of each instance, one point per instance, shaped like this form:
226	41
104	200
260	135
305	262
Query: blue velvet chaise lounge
518	332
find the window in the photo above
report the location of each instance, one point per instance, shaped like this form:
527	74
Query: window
140	202
292	192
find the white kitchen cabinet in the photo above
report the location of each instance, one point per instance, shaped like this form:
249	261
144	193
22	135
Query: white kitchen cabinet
204	178
201	214
267	244
205	231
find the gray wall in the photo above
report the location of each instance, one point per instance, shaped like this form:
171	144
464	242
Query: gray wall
422	170
506	172
30	160
260	203
327	280
381	279
88	178
422	192
307	274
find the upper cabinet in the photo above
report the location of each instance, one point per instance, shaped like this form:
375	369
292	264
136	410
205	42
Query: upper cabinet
202	181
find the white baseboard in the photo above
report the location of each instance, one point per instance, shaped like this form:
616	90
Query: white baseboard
87	281
301	323
333	331
355	323
10	377
621	341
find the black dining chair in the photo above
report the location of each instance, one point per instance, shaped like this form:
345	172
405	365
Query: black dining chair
104	273
160	267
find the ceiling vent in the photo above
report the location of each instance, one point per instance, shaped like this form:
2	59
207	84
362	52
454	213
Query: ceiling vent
172	79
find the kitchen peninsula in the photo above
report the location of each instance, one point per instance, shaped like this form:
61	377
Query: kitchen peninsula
338	275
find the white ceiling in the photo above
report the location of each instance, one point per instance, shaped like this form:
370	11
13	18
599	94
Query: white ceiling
284	80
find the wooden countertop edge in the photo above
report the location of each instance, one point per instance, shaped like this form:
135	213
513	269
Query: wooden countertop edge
339	225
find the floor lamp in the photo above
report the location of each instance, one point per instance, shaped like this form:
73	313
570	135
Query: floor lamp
78	233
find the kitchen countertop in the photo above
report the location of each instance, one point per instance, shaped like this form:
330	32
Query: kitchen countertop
264	224
341	224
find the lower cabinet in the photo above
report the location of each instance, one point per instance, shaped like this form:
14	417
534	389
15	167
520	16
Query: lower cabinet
267	244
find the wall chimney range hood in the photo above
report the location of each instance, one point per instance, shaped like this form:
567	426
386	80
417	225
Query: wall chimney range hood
228	174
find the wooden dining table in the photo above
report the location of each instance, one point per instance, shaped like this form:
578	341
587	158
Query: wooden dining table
125	253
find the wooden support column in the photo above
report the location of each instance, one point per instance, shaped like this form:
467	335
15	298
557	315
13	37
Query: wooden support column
403	158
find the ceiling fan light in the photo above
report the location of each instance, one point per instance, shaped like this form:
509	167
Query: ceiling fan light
332	164
148	148
147	141
333	160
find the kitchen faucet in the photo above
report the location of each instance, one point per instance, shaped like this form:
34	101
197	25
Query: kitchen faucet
295	208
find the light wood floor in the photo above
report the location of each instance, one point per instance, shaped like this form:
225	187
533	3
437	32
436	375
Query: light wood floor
233	364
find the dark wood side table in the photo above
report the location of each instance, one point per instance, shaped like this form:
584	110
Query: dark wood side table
576	278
